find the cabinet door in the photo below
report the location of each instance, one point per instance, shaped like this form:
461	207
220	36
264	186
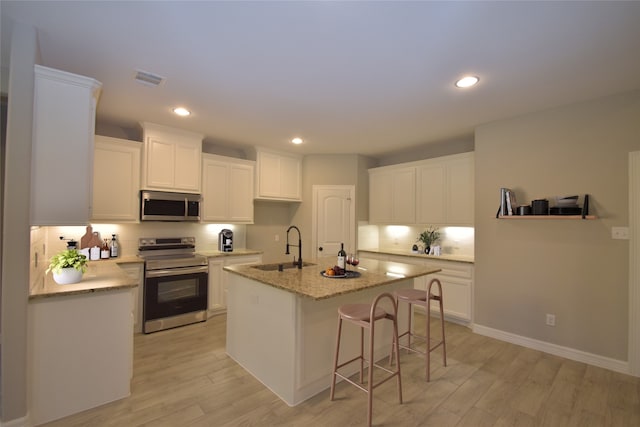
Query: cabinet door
172	159
215	191
278	176
236	260
460	191
217	297
187	167
62	147
431	194
290	178
404	196
380	195
135	271
240	194
269	175
160	164
456	297
116	180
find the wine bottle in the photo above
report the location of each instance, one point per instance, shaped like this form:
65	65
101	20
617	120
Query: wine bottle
341	256
113	248
104	251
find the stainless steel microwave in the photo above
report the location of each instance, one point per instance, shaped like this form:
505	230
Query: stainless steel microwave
166	206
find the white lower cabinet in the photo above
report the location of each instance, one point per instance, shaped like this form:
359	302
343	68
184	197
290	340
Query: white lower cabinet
217	300
457	288
218	280
135	270
456	279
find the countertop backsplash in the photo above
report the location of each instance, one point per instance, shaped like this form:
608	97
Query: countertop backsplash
127	235
453	240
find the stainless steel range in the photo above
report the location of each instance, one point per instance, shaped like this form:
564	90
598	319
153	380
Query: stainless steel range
175	283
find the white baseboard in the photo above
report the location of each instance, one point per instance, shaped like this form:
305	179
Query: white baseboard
18	422
557	350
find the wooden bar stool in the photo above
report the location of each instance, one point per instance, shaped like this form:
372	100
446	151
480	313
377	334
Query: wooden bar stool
423	299
365	316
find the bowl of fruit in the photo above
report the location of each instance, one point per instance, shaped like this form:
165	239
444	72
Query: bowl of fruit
337	272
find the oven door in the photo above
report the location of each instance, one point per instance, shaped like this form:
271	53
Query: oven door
176	293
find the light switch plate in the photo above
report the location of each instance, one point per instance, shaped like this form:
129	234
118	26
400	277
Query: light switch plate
621	233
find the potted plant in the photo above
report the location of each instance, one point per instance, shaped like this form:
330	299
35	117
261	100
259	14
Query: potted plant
68	266
429	237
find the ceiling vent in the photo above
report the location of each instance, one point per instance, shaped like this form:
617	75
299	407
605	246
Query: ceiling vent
148	79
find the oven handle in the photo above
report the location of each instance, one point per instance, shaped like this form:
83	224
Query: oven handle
177	271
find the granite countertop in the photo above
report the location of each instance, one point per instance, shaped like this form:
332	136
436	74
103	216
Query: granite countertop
445	257
308	282
236	252
100	276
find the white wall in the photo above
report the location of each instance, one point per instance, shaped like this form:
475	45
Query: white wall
573	269
15	217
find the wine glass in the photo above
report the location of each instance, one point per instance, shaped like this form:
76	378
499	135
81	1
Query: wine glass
354	260
347	259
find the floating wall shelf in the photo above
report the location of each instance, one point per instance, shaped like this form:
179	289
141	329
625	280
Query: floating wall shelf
546	217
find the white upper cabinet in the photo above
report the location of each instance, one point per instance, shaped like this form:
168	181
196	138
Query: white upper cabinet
227	189
171	159
116	180
392	195
446	190
437	191
278	176
64	108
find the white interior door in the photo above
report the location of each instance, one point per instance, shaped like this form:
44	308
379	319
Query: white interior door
334	219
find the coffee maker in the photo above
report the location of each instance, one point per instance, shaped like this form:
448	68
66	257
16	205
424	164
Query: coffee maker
225	240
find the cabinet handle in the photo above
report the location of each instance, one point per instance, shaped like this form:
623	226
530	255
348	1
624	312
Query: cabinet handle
320	248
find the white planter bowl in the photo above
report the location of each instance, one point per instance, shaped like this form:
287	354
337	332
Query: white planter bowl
67	276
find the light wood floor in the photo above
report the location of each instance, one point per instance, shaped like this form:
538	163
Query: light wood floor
182	377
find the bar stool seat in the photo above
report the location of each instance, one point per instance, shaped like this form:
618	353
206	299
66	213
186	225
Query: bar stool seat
366	316
423	299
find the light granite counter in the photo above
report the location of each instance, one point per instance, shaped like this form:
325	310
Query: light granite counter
236	252
308	281
445	257
100	276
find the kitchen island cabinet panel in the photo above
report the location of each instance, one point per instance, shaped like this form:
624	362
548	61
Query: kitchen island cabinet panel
116	180
281	325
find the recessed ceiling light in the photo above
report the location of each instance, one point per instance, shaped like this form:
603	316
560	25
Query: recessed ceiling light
467	81
181	111
296	141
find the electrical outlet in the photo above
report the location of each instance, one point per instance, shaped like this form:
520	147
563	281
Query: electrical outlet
621	233
551	319
277	238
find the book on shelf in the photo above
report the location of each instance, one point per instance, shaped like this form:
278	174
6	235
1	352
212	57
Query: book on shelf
507	202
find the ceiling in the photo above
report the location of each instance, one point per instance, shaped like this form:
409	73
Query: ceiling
347	77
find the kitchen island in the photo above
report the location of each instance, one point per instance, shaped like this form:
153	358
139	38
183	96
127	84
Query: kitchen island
281	325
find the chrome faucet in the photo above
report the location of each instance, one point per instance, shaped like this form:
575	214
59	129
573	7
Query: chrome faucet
299	245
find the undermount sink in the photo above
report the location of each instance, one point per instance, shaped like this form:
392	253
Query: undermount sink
285	266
